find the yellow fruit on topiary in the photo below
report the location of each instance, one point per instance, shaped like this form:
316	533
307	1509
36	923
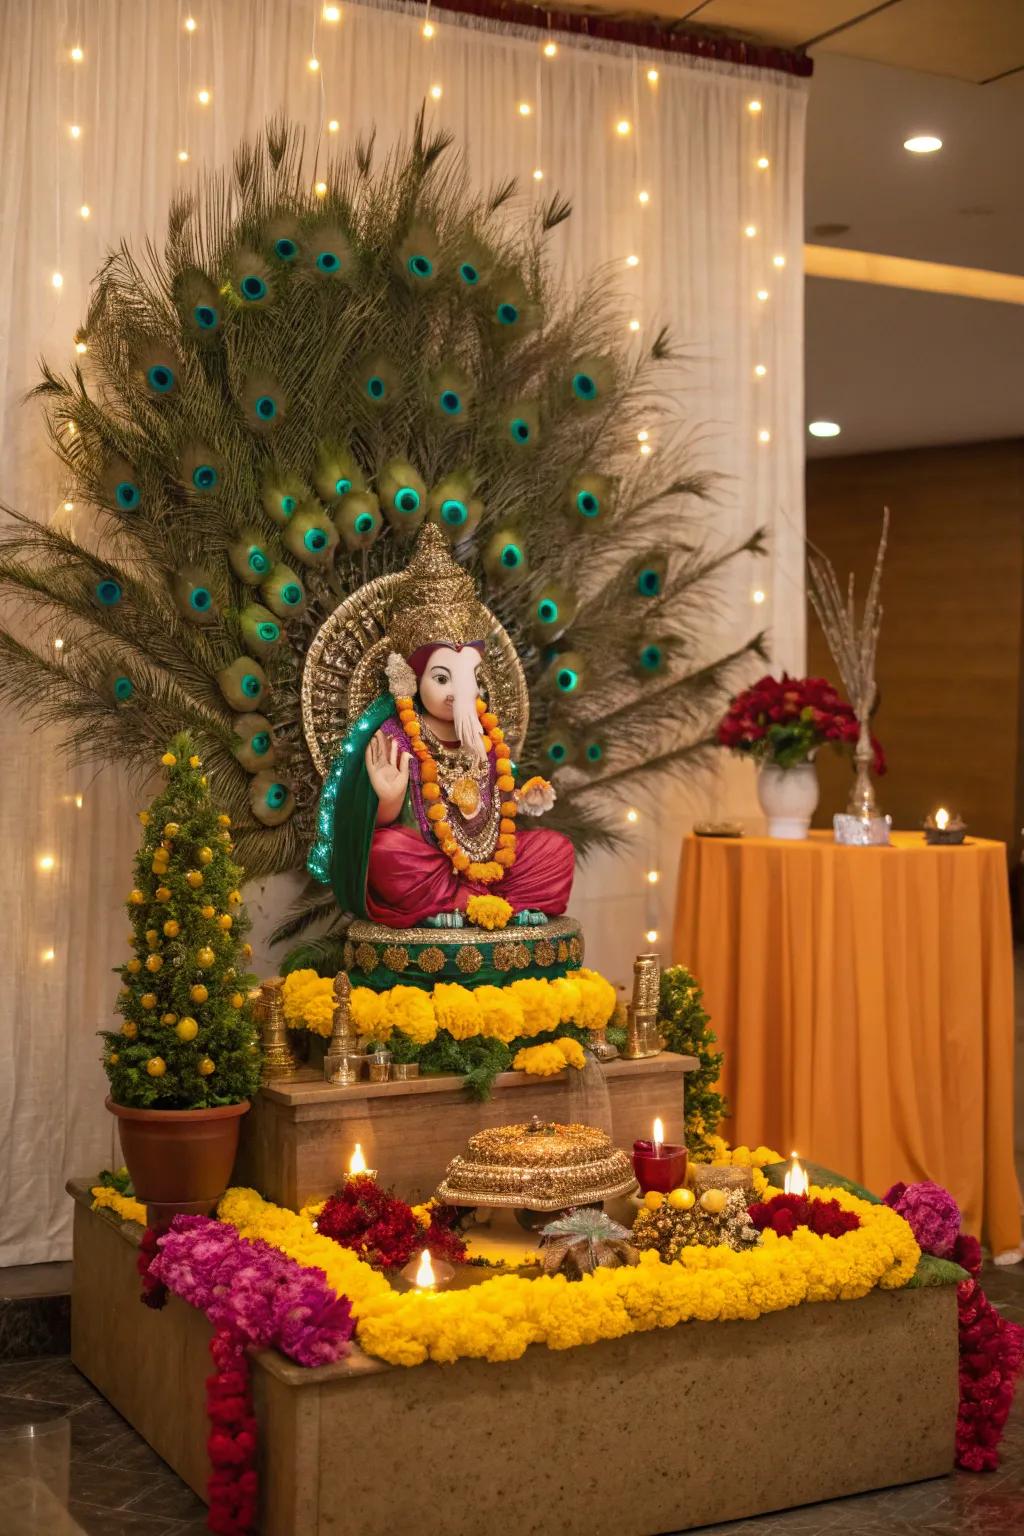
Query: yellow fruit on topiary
206	855
134	966
234	897
713	1201
247	951
236	1000
156	1066
198	993
154	963
208	911
206	1066
172	928
681	1199
144	818
149	999
171	829
151	936
168	1018
129	1029
224	921
205	957
136	898
113	1058
168	759
654	1200
187	1029
162	893
223	820
195	878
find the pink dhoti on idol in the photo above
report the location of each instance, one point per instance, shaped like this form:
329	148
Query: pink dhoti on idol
410	881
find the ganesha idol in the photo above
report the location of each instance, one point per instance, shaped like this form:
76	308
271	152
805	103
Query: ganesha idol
420	809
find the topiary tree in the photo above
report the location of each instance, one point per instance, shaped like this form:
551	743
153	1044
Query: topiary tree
188	1040
686	1028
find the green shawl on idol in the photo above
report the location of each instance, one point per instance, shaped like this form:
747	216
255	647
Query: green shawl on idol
347	813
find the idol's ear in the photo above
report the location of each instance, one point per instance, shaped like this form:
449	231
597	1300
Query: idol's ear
401	677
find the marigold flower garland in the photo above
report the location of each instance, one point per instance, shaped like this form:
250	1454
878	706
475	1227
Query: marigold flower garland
500	1318
106	1198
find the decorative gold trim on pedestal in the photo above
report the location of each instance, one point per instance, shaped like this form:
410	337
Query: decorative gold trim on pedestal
279	1060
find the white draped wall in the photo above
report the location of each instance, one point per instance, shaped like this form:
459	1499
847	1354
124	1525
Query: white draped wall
693	146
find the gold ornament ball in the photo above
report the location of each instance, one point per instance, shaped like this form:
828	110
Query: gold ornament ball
124	992
236	1000
149	999
168	1018
144	818
134	966
172	928
681	1199
162	893
223	820
187	1029
654	1200
154	963
234	897
202	779
171	829
136	898
113	1058
151	935
168	759
206	1066
206	855
129	1029
225	921
247	951
156	1066
208	911
198	993
713	1201
205	957
195	878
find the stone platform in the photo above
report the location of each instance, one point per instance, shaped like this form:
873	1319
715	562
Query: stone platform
297	1138
657	1432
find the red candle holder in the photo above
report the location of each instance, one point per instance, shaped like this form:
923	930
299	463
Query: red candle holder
660	1166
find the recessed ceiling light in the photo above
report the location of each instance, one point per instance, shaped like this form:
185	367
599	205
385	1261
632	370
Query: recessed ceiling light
922	144
824	428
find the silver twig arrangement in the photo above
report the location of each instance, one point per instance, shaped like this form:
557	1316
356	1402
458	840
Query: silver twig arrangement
854	647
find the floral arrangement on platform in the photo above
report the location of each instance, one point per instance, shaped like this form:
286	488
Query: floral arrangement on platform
991	1347
476	1032
785	720
383	1230
783	1213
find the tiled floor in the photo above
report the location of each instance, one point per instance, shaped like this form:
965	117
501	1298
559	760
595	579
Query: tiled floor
119	1487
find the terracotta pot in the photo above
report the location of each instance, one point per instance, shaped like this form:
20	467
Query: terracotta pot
180	1160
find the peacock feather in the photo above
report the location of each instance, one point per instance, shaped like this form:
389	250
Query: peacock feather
271	406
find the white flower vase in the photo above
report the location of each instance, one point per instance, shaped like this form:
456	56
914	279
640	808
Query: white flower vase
788	797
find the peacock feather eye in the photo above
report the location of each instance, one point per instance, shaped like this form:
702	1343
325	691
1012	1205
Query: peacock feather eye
160	378
594	752
511	556
567	679
257	560
123	688
109	591
648	582
288	505
328	261
268	632
204	477
408	500
375	387
251	685
291	594
206	317
469	274
342	486
650	657
507	314
285	249
363	523
454	513
520	430
253	288
266	407
588	504
547	610
420	266
200	599
558	752
315	540
276	796
584	386
450	402
127	495
260	743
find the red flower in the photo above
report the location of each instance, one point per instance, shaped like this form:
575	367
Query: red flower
784	1213
382	1229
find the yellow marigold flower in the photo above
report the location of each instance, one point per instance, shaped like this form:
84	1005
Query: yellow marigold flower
409	1010
539	1060
540	1004
501	1012
168	759
319	1013
457	1010
367	1010
488	911
597	999
106	1199
572	1052
569	998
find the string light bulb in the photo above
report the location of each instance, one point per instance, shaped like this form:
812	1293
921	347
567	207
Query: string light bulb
79	801
183	155
757	596
47	861
764	436
538	174
331	13
313	64
58	644
762	295
428	29
48	955
632	815
759	370
645	449
763	162
643	197
623	127
320	189
75	130
632	261
77	54
85	211
754	106
525	109
750	230
550	50
58	282
333	125
69	506
190	23
634	325
652	76
651	935
72	425
643	435
778	261
653	876
203	97
436	92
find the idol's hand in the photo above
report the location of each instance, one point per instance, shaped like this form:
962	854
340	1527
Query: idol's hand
388	769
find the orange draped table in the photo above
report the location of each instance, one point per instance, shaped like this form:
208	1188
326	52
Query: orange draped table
864	1001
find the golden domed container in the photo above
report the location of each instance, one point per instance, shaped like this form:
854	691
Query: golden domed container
539	1166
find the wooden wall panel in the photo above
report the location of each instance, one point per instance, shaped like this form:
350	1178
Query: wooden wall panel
950	667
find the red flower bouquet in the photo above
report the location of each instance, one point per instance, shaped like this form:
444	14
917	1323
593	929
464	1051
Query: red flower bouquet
784	1213
383	1230
785	720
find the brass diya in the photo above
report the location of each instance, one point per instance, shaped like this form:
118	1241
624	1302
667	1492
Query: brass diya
540	1166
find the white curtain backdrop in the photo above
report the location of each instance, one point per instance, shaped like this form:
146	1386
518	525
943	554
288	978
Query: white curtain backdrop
693	146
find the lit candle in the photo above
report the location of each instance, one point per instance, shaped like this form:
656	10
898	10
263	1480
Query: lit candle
659	1164
425	1271
796	1180
942	818
944	828
658	1138
424	1275
357	1168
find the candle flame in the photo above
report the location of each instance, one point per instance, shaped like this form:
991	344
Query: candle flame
796	1181
659	1135
942	818
357	1162
425	1272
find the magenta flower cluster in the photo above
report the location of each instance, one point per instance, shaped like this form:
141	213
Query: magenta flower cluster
933	1214
247	1287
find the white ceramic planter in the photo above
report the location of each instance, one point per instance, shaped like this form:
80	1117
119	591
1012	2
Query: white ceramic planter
788	797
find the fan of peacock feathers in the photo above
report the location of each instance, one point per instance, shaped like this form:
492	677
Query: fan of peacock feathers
265	415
